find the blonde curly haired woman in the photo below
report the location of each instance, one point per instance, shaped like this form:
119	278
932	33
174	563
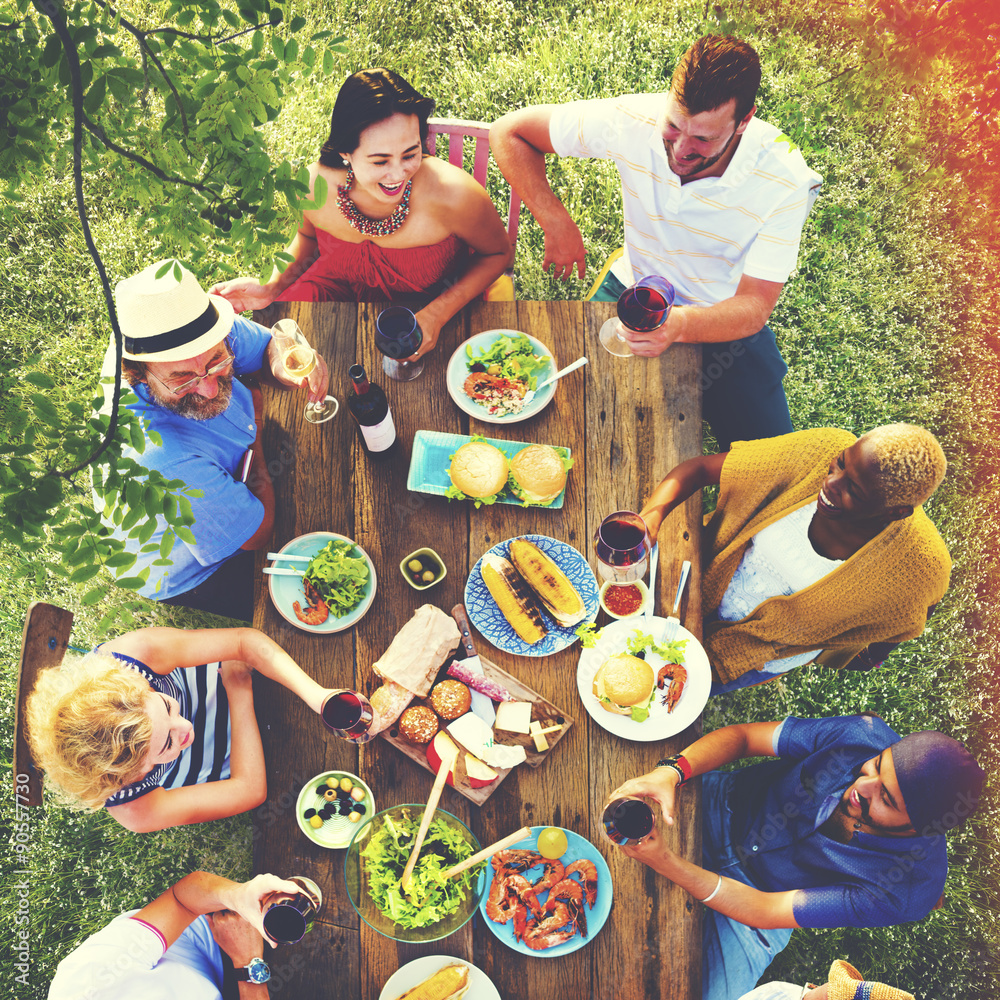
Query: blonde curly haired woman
818	548
158	725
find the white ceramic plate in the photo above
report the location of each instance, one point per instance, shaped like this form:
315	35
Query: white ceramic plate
285	590
414	973
488	618
338	830
458	371
661	724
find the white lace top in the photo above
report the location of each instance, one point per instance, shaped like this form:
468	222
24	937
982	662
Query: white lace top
779	561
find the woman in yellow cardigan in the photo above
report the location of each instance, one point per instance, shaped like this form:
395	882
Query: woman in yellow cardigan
817	548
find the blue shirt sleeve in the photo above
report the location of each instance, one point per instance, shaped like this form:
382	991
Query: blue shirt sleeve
249	342
798	738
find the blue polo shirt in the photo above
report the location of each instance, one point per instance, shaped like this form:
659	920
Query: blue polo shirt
207	455
779	806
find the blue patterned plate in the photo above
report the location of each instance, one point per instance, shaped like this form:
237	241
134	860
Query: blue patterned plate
489	619
458	371
578	849
431	459
285	590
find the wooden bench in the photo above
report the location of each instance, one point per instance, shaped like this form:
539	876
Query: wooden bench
44	644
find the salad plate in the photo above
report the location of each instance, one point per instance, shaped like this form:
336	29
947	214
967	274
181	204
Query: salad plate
475	347
421	969
285	590
661	724
488	618
430	460
578	849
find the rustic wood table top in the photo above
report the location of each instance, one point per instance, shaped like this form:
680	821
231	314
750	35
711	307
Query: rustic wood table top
627	421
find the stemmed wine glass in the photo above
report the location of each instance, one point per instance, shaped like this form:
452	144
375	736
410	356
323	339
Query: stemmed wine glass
398	335
299	359
623	547
349	715
642	308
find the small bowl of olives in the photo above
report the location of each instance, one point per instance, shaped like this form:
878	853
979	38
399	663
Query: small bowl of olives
423	569
332	806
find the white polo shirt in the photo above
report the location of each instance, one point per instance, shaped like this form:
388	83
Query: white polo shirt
704	235
128	960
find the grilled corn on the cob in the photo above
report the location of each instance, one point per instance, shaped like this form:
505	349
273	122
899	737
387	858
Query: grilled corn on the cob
548	581
448	983
514	598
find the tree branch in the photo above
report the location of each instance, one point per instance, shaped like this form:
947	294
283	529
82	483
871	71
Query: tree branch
54	13
99	133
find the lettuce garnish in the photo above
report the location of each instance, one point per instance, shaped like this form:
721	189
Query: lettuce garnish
339	576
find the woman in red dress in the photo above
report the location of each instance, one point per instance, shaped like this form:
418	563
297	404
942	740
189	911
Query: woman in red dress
394	224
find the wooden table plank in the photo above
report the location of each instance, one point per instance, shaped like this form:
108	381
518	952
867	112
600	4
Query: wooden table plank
644	417
615	416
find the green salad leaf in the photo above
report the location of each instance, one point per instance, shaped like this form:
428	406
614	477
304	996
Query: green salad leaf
339	576
385	855
514	356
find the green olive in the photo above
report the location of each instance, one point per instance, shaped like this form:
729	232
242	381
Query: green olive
493	370
414	566
427	575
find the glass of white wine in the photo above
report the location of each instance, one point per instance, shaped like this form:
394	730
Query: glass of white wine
299	359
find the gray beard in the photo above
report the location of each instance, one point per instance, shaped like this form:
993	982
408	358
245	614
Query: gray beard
196	407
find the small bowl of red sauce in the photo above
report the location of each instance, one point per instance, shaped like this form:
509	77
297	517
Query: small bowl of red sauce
624	600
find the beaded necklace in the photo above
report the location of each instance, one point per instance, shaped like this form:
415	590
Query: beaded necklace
361	222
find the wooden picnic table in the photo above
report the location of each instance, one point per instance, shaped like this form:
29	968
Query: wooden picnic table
627	421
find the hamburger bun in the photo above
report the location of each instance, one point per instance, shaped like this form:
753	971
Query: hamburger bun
622	682
537	474
478	469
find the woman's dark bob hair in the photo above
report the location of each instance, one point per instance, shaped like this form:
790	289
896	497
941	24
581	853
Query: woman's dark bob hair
367	98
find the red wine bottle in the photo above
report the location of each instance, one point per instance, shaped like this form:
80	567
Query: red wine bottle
370	409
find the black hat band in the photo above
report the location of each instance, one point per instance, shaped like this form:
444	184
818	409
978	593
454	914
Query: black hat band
175	338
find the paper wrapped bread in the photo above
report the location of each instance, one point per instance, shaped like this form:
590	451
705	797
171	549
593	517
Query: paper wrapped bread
420	647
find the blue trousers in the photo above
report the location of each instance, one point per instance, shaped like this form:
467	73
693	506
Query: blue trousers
742	395
734	955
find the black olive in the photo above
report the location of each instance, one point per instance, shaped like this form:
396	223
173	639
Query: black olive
309	813
359	807
641	655
477	367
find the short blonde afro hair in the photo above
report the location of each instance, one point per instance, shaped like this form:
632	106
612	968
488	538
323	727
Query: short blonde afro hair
88	727
910	463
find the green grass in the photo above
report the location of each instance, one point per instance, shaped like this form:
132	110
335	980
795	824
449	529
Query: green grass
886	320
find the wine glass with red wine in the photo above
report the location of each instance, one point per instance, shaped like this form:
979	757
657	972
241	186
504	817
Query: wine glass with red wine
397	336
623	547
349	715
643	308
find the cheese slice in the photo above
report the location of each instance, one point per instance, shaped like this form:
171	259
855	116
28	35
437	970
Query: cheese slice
514	716
477	737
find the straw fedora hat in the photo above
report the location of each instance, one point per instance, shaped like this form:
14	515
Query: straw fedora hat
846	983
170	317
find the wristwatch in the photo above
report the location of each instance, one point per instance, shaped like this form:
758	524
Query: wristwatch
256	971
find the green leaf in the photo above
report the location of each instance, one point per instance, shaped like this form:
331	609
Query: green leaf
296	24
93	595
291	50
328	62
131	582
278	47
163	268
185	534
83	573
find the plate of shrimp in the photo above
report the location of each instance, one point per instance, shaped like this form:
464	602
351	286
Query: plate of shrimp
547	908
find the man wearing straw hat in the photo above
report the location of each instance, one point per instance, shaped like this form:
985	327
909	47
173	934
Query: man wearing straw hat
844	983
198	940
844	829
182	349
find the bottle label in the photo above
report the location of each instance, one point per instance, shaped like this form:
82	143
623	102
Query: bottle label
379	436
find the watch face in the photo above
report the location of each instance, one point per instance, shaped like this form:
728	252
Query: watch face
258	971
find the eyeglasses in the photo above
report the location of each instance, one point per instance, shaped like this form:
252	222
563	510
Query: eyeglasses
179	388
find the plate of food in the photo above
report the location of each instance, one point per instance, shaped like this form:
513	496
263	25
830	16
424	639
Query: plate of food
636	688
547	895
438	974
487	471
494	376
336	588
330	807
527	595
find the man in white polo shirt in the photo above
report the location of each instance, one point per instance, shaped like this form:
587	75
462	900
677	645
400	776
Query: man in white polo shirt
169	949
714	201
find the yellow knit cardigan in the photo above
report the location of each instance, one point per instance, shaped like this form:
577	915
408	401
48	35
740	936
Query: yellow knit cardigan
880	594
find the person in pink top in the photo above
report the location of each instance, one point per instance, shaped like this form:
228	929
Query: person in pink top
394	224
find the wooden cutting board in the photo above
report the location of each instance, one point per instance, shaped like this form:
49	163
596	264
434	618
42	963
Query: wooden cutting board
542	711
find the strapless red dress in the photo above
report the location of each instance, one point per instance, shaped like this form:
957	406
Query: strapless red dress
363	272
